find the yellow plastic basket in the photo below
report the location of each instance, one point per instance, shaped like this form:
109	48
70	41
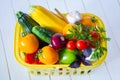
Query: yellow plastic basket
57	69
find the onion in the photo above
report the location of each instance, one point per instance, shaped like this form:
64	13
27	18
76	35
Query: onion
57	41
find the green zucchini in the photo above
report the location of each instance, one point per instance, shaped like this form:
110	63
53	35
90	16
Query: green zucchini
26	22
42	33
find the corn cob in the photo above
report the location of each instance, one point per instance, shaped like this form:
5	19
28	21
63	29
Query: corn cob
47	19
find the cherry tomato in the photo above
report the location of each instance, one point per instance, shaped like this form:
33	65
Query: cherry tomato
71	45
95	35
81	44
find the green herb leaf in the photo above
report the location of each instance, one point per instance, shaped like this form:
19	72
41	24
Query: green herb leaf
70	36
103	48
77	23
105	38
108	39
92	28
79	29
89	37
100	29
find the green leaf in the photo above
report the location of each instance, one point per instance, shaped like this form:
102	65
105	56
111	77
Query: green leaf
85	29
83	36
103	48
71	30
70	36
74	28
92	28
105	38
77	23
94	56
79	29
89	37
100	29
108	39
79	37
78	52
99	55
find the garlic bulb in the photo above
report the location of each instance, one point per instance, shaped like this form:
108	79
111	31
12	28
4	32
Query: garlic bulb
73	17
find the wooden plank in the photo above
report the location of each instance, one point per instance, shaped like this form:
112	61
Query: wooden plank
4	70
7	22
113	68
113	19
92	7
20	6
80	77
118	2
100	73
75	5
36	77
60	77
59	4
112	12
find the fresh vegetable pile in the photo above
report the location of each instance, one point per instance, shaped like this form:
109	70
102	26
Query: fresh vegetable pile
47	38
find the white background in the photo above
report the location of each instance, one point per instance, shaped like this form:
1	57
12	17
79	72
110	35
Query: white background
107	10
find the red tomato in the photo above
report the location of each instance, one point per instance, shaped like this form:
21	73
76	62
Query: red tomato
71	45
95	35
29	58
81	44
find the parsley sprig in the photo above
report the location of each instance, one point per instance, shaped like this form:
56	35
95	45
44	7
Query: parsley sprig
83	32
79	32
99	50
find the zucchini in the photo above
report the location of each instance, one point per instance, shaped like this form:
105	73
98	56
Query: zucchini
26	22
42	33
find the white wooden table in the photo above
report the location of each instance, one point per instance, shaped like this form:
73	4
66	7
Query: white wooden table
107	10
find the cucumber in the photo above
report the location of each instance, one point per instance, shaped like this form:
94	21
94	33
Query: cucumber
26	22
47	31
42	33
